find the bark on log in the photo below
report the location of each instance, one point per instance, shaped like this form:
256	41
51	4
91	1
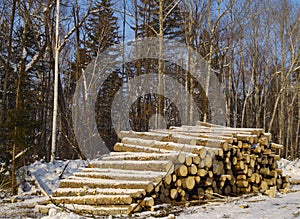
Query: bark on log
152	165
105	184
94	200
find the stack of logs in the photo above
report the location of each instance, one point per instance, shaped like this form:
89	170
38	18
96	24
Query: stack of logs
210	160
175	164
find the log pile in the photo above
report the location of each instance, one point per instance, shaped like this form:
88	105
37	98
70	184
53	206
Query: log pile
175	164
229	161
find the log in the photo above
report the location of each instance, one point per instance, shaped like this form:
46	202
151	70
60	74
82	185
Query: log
258	178
265	171
249	172
276	157
263	185
147	202
276	146
246	146
134	193
245	189
270	182
234	160
208	161
193	169
201	165
263	140
183	195
247	138
105	184
173	193
174	178
252	163
197	179
136	148
241	177
152	165
240	165
255	131
255	188
246	158
271	192
188	183
228	165
257	149
286	185
242	183
273	173
171	146
189	161
196	160
175	157
176	138
168	179
145	135
217	136
94	200
201	172
121	176
204	130
178	183
225	177
181	170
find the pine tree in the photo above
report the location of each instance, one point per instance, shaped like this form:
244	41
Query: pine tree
102	32
102	28
148	13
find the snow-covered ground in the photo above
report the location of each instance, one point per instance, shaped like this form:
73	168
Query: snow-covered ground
290	168
49	176
256	207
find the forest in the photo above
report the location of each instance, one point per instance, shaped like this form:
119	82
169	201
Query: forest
253	48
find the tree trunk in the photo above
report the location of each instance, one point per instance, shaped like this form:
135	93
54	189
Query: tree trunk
160	65
55	99
207	79
20	77
7	69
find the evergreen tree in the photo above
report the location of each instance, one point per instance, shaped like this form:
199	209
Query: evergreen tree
102	33
102	28
148	12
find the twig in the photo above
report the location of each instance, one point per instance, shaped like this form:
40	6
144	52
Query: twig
62	172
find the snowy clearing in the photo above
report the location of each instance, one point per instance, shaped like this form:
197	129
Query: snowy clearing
250	206
261	206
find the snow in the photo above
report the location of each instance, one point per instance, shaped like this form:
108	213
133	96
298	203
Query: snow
53	214
283	206
48	176
290	168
